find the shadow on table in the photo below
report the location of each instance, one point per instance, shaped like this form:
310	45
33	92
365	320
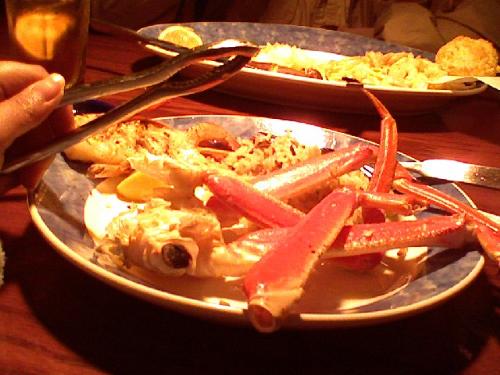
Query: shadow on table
119	334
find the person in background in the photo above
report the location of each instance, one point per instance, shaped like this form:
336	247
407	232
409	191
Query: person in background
28	117
428	25
423	24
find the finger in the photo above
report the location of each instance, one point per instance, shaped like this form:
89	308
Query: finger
29	108
15	76
59	122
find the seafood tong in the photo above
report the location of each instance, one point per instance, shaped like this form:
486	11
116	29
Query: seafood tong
236	54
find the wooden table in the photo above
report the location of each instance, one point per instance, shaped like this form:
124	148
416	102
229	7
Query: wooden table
55	319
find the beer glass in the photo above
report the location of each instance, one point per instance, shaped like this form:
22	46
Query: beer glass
52	33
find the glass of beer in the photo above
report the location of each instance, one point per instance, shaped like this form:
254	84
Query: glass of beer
51	33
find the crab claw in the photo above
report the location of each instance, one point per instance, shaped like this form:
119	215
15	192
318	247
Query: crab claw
277	280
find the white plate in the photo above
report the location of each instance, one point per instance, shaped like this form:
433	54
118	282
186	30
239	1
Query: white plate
57	210
308	92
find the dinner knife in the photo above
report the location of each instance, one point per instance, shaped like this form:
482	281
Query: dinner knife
453	170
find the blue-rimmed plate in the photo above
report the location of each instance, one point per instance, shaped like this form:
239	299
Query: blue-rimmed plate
334	297
293	90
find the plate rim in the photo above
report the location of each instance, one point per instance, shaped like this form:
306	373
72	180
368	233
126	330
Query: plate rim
235	314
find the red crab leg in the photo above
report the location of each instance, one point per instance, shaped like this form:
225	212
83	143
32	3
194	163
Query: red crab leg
431	231
393	203
383	174
261	208
311	173
490	241
274	283
444	201
268	211
487	229
360	239
305	176
363	239
385	165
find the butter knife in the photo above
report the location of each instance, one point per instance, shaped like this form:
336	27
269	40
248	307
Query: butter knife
453	170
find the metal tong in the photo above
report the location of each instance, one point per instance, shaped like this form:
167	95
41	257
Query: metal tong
235	53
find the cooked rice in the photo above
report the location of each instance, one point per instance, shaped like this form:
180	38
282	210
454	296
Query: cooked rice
266	153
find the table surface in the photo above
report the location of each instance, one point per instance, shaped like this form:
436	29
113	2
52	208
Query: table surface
54	318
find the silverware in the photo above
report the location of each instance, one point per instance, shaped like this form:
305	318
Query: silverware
453	170
230	47
161	90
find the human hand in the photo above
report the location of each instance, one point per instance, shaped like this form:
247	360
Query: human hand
28	117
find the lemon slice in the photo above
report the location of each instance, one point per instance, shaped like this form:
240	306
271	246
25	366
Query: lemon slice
181	35
139	187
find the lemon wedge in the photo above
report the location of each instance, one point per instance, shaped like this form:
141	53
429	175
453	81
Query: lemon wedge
139	187
181	35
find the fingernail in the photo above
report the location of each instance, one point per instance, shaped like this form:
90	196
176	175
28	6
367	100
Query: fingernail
50	87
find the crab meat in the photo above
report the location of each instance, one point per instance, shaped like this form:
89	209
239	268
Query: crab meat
168	241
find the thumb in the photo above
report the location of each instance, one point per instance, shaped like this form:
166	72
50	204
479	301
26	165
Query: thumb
27	109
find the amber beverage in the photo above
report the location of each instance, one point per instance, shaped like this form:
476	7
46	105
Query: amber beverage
52	33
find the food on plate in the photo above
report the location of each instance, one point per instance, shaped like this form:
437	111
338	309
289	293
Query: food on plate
284	58
271	225
204	145
181	35
464	56
400	69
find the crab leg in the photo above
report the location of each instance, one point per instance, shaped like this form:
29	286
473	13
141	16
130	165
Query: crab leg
487	229
363	239
277	280
303	177
432	231
392	203
360	239
385	165
262	208
444	201
382	177
268	211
